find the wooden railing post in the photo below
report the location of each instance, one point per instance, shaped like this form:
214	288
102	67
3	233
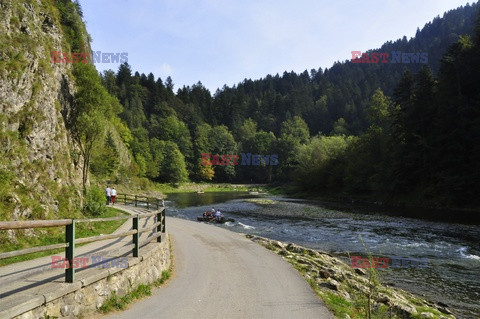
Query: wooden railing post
148	206
157	202
159	227
163	219
136	236
135	200
70	251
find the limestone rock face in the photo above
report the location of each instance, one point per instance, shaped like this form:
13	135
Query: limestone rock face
38	162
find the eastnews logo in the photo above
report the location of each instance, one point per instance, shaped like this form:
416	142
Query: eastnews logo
383	262
247	159
85	57
396	57
82	262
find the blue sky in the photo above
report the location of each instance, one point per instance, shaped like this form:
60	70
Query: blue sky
222	42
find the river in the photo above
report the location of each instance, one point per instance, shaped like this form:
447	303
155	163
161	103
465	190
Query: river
452	249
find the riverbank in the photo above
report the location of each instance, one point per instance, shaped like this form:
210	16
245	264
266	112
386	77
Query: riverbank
349	292
415	208
208	187
146	187
276	206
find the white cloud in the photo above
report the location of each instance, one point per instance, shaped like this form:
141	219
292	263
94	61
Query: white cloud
166	70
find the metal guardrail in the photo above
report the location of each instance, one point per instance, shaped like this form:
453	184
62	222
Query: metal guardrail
70	240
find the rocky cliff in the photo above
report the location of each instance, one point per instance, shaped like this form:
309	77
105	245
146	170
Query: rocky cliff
39	164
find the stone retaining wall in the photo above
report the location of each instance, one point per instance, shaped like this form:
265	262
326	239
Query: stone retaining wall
93	287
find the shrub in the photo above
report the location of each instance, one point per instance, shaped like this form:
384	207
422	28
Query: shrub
94	202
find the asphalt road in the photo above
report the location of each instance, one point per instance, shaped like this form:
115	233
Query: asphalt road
221	274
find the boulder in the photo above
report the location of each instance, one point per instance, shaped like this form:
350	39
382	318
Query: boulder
404	309
330	284
277	244
360	271
295	248
383	298
324	273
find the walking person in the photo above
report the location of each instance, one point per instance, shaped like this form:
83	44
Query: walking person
108	193
114	195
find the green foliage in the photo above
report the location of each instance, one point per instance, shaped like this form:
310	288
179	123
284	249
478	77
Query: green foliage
15	43
94	202
295	129
340	127
105	160
338	305
6	191
247	130
122	130
166	274
367	155
320	162
202	144
168	163
115	302
261	143
93	106
72	24
379	109
222	142
174	130
142	165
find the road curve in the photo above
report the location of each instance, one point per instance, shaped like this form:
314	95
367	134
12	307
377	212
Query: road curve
221	274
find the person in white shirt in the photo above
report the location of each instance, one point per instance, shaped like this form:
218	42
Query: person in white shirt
114	195
108	193
218	215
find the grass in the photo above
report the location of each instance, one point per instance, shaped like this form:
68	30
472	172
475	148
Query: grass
206	187
338	305
116	302
52	236
436	313
261	201
166	274
93	229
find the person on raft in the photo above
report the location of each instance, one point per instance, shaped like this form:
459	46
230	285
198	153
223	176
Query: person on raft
218	215
209	214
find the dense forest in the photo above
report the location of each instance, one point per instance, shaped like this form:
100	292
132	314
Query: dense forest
389	131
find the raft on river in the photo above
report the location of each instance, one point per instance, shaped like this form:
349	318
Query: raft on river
214	220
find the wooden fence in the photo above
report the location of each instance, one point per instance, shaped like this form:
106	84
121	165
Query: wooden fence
138	200
71	241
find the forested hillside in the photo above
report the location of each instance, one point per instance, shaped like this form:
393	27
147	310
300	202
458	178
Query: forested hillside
390	131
